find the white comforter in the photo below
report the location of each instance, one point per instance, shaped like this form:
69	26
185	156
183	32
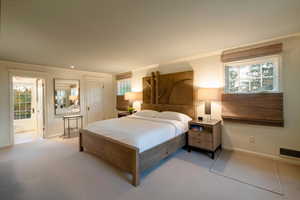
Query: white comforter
141	132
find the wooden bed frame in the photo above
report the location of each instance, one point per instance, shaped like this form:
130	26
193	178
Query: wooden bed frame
127	157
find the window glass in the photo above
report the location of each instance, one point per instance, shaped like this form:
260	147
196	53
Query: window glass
22	102
123	86
252	77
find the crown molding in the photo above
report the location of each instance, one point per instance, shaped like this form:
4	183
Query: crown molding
43	68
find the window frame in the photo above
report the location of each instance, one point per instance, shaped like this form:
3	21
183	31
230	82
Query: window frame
276	60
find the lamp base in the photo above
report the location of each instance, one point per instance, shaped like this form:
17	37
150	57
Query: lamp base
208	110
208	119
207	107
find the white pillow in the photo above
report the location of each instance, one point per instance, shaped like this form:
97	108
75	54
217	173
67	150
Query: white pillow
147	113
174	116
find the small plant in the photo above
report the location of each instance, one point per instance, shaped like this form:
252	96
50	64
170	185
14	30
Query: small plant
131	110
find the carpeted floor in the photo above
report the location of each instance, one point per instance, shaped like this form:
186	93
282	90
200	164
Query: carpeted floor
249	169
55	170
25	137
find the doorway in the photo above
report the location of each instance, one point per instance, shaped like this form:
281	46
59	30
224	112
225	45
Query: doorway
28	109
94	100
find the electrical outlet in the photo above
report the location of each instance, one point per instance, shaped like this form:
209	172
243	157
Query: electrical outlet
252	139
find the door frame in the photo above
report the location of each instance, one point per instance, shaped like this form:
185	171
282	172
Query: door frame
43	106
26	74
87	79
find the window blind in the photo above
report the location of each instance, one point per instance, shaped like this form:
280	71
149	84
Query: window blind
251	52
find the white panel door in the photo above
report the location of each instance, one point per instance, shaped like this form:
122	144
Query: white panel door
94	101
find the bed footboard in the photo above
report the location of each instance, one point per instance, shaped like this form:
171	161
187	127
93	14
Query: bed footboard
121	155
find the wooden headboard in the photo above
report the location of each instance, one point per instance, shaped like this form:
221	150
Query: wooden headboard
169	92
185	109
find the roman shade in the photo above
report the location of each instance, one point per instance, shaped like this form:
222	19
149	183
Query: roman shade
123	75
260	108
251	52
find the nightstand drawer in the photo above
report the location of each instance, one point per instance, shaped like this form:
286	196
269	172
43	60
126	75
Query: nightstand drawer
195	142
203	135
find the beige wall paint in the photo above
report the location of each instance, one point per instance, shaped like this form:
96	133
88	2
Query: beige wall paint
209	73
4	108
54	124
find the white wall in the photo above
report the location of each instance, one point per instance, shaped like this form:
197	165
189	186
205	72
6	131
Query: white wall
4	108
208	72
54	125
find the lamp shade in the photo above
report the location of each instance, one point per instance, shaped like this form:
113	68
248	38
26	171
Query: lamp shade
133	96
209	94
73	98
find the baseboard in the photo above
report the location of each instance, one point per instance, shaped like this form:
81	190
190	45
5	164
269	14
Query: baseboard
280	158
6	146
53	135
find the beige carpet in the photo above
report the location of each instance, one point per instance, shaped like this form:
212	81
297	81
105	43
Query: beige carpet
256	171
55	170
24	137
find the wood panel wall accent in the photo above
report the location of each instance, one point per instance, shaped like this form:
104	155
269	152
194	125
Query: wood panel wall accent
122	104
156	87
153	83
175	89
169	92
235	55
261	109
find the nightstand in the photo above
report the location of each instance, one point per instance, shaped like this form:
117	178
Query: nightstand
123	114
205	135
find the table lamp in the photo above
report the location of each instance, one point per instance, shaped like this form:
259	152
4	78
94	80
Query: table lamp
133	96
208	95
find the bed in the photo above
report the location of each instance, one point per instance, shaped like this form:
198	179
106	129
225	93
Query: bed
134	144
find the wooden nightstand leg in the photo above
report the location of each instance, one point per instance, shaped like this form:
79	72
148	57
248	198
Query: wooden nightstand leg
213	155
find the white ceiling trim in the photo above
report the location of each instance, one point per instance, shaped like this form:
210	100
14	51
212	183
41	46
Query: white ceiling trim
42	68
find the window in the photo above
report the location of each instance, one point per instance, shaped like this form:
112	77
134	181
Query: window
258	75
22	102
60	96
123	86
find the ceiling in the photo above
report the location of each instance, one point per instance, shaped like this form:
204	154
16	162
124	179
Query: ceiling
119	35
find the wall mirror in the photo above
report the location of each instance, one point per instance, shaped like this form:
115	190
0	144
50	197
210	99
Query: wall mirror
66	96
